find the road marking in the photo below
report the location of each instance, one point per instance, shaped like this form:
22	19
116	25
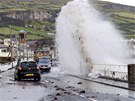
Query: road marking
91	99
3	80
99	82
75	93
72	92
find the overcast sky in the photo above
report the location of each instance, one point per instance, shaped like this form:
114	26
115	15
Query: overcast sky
126	2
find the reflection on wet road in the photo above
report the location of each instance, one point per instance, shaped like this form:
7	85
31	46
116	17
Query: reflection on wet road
19	91
92	86
96	87
59	87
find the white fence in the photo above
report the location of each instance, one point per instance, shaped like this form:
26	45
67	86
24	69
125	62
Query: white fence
111	71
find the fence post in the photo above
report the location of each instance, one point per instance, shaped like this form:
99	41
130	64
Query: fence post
131	73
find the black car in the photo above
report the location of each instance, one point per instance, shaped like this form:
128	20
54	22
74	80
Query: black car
27	69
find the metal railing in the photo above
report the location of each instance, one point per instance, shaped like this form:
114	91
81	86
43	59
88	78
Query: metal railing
111	70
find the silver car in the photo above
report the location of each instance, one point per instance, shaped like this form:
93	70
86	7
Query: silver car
44	64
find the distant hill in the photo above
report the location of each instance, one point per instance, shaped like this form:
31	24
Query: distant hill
109	6
38	16
122	16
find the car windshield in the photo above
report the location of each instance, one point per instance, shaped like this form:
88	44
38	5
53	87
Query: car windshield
44	61
45	57
30	64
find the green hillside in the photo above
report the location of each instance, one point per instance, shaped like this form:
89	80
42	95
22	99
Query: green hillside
122	16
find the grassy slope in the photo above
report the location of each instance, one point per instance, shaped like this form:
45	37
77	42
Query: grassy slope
122	16
13	5
32	33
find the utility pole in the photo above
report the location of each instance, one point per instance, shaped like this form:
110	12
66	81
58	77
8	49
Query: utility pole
27	51
22	40
19	48
11	46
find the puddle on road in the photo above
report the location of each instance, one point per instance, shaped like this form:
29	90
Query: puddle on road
73	81
97	87
22	91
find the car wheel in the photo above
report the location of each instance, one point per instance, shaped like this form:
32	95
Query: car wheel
41	72
18	78
35	79
15	78
38	78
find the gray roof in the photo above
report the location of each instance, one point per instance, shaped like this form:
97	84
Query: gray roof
21	31
31	42
1	40
3	46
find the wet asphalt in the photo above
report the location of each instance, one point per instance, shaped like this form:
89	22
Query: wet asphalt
58	87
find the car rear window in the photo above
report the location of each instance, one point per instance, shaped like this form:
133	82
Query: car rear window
44	61
30	64
24	64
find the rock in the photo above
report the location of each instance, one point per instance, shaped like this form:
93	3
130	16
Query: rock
79	83
68	81
55	86
49	95
42	99
23	87
69	87
97	92
82	91
58	94
9	83
67	93
14	97
55	98
62	89
93	97
11	80
118	94
118	100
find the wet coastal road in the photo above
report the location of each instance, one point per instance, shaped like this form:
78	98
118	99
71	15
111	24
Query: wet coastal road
58	87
